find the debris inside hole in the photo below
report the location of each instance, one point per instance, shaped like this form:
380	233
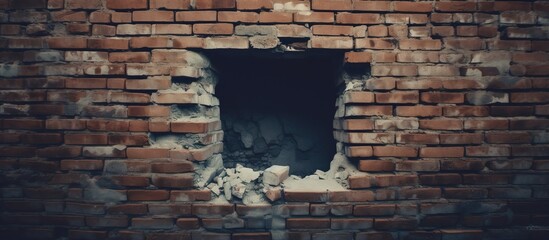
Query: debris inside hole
245	185
277	109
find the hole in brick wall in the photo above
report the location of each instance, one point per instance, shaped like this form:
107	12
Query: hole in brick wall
277	108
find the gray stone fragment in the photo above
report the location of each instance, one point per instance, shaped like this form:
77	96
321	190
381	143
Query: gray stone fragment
264	42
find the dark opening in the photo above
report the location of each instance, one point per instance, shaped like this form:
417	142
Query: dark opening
278	109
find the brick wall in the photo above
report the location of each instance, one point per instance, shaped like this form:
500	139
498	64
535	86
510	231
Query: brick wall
450	128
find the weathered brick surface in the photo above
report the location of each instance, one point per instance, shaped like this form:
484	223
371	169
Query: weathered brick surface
449	126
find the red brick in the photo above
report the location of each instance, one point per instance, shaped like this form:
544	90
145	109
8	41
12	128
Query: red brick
81	165
395	151
417	138
418	111
213	29
67	43
466	111
351	223
398	97
465	193
149	42
372	6
65	124
159	126
441	179
394	70
358	182
121	17
314	17
275	17
238	17
107	221
355	124
332	5
413	7
86	139
87	234
395	180
455	6
520	124
86	83
83	4
152	223
402	18
158	83
442	152
418	166
127	4
487	124
308	223
355	57
188	223
505	6
152	16
128	140
358	18
395	223
487	151
196	16
376	43
28	4
144	153
374	210
131	181
22	96
215	4
213	209
461	138
10	137
190	195
16	151
171	29
299	196
108	125
128	209
170	4
508	137
530	97
69	16
172	167
442	97
485	179
148	195
254	4
195	127
100	17
173	181
378	31
376	166
464	44
111	44
23	124
332	42
129	57
59	152
103	30
148	111
359	151
467	165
